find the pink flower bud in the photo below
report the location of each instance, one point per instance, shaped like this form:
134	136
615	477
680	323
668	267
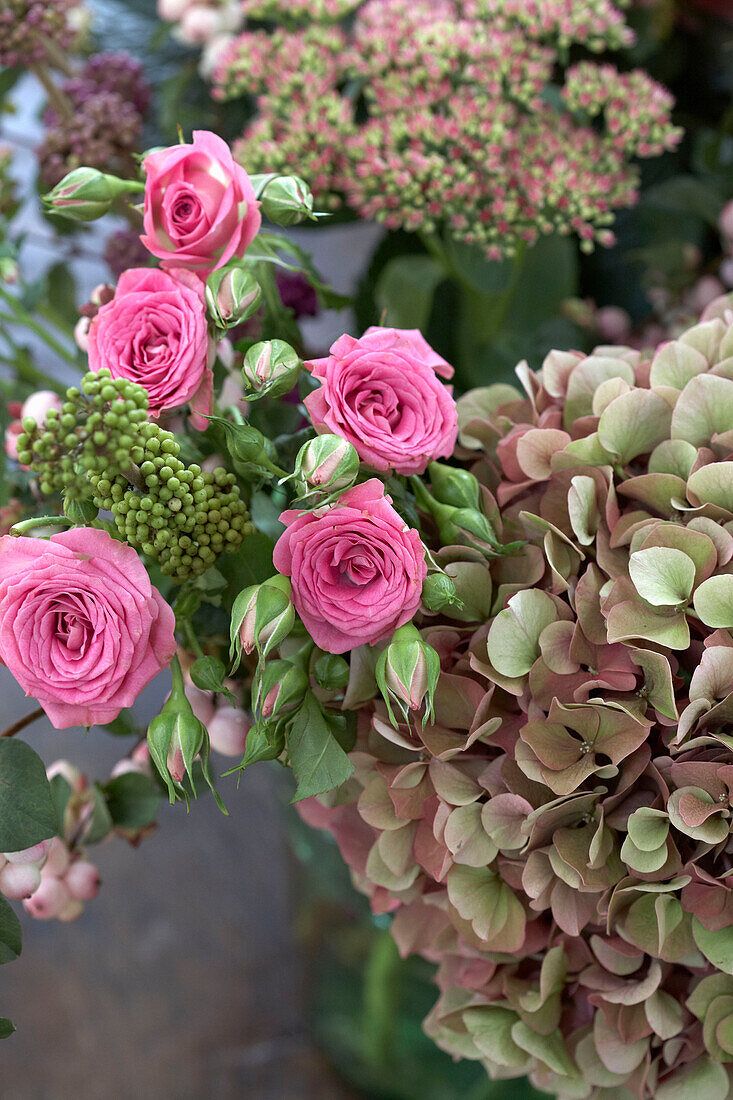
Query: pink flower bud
36	854
81	333
228	731
705	291
176	764
199	24
58	858
49	900
172	10
82	880
13	430
613	323
19	880
38	405
76	780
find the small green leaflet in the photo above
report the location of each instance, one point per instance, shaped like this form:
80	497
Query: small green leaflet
11	938
319	762
27	813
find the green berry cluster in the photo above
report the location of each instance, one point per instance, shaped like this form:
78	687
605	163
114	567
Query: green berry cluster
101	444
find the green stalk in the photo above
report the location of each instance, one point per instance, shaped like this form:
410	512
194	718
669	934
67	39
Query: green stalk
23	317
381	999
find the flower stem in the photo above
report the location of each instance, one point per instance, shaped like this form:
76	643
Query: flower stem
58	100
380	998
23	722
23	317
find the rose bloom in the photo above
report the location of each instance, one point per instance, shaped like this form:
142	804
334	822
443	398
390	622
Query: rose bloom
200	206
81	627
154	332
381	393
356	568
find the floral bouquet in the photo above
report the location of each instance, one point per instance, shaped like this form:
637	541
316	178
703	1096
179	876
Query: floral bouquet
489	637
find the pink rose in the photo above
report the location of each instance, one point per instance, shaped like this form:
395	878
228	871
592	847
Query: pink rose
357	569
200	206
81	627
154	332
381	394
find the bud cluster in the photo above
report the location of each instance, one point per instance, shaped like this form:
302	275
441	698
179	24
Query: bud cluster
101	445
24	24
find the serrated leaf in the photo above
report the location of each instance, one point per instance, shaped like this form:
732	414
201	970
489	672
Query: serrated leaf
11	936
6	1028
27	812
317	759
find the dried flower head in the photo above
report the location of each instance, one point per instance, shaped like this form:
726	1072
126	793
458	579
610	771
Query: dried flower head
558	836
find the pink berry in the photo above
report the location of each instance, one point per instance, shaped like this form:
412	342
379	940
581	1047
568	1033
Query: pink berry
82	880
49	900
71	910
228	731
58	858
19	880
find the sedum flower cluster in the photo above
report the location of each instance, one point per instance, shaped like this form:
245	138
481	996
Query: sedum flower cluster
26	26
102	124
451	114
554	829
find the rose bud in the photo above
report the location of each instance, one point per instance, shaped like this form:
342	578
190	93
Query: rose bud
36	854
331	672
82	880
262	617
407	673
280	688
175	738
86	194
439	592
232	295
327	464
19	880
270	369
228	731
287	200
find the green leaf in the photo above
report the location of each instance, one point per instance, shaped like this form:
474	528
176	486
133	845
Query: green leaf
687	195
513	642
27	813
60	795
319	762
662	575
11	937
716	946
272	248
208	674
406	288
124	725
702	1078
133	800
714	601
265	741
6	1028
251	564
100	823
